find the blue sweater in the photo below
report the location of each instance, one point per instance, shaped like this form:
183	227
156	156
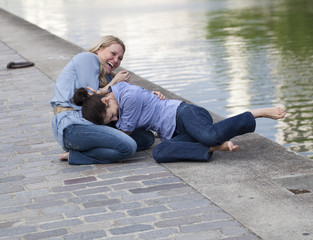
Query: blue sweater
81	71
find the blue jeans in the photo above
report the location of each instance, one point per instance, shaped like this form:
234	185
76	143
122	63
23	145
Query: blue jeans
195	132
91	144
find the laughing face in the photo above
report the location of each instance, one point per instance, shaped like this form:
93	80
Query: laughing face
111	56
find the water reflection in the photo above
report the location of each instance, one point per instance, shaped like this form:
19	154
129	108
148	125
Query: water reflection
227	56
271	64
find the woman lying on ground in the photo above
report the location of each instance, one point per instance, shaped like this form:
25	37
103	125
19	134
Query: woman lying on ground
84	142
187	131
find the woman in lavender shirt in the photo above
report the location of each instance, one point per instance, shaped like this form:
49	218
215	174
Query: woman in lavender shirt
187	131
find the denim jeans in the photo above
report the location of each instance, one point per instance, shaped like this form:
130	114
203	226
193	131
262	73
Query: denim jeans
91	144
195	132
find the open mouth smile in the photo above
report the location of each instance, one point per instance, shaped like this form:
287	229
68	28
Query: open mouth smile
111	65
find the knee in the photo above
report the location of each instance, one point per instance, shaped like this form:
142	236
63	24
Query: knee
158	155
148	141
145	140
128	149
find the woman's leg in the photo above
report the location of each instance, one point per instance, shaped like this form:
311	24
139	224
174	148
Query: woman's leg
90	144
185	148
197	122
213	134
143	138
182	147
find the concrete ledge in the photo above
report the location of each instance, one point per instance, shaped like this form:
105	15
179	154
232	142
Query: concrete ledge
243	183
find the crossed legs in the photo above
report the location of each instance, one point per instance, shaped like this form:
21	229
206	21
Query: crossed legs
272	113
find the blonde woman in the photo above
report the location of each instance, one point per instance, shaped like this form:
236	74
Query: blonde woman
83	141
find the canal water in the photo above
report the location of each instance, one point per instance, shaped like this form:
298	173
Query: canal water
227	56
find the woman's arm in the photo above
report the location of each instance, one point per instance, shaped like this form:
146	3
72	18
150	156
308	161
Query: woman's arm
120	76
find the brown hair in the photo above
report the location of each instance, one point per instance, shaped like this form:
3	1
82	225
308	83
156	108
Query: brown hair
93	109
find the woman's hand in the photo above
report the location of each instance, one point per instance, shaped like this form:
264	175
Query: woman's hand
121	76
159	95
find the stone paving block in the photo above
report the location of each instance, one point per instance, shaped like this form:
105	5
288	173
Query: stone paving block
136	220
147	176
190	204
157	188
21	213
125	206
16	231
60	224
11	179
29	183
159	233
72	169
160	181
123	237
93	199
140	196
8	224
119	194
114	175
48	197
86	235
80	180
61	209
33	193
43	184
91	191
69	188
105	217
86	212
150	169
46	234
45	204
147	210
109	183
43	218
126	185
131	229
5	189
101	203
15	202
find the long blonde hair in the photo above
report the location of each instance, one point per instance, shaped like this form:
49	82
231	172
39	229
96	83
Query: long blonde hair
104	42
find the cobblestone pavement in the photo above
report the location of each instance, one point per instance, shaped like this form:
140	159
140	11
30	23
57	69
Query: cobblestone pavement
43	198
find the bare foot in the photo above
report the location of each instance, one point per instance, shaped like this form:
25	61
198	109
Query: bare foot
226	146
64	156
272	113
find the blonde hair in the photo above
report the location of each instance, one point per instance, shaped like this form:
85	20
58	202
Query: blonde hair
104	42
